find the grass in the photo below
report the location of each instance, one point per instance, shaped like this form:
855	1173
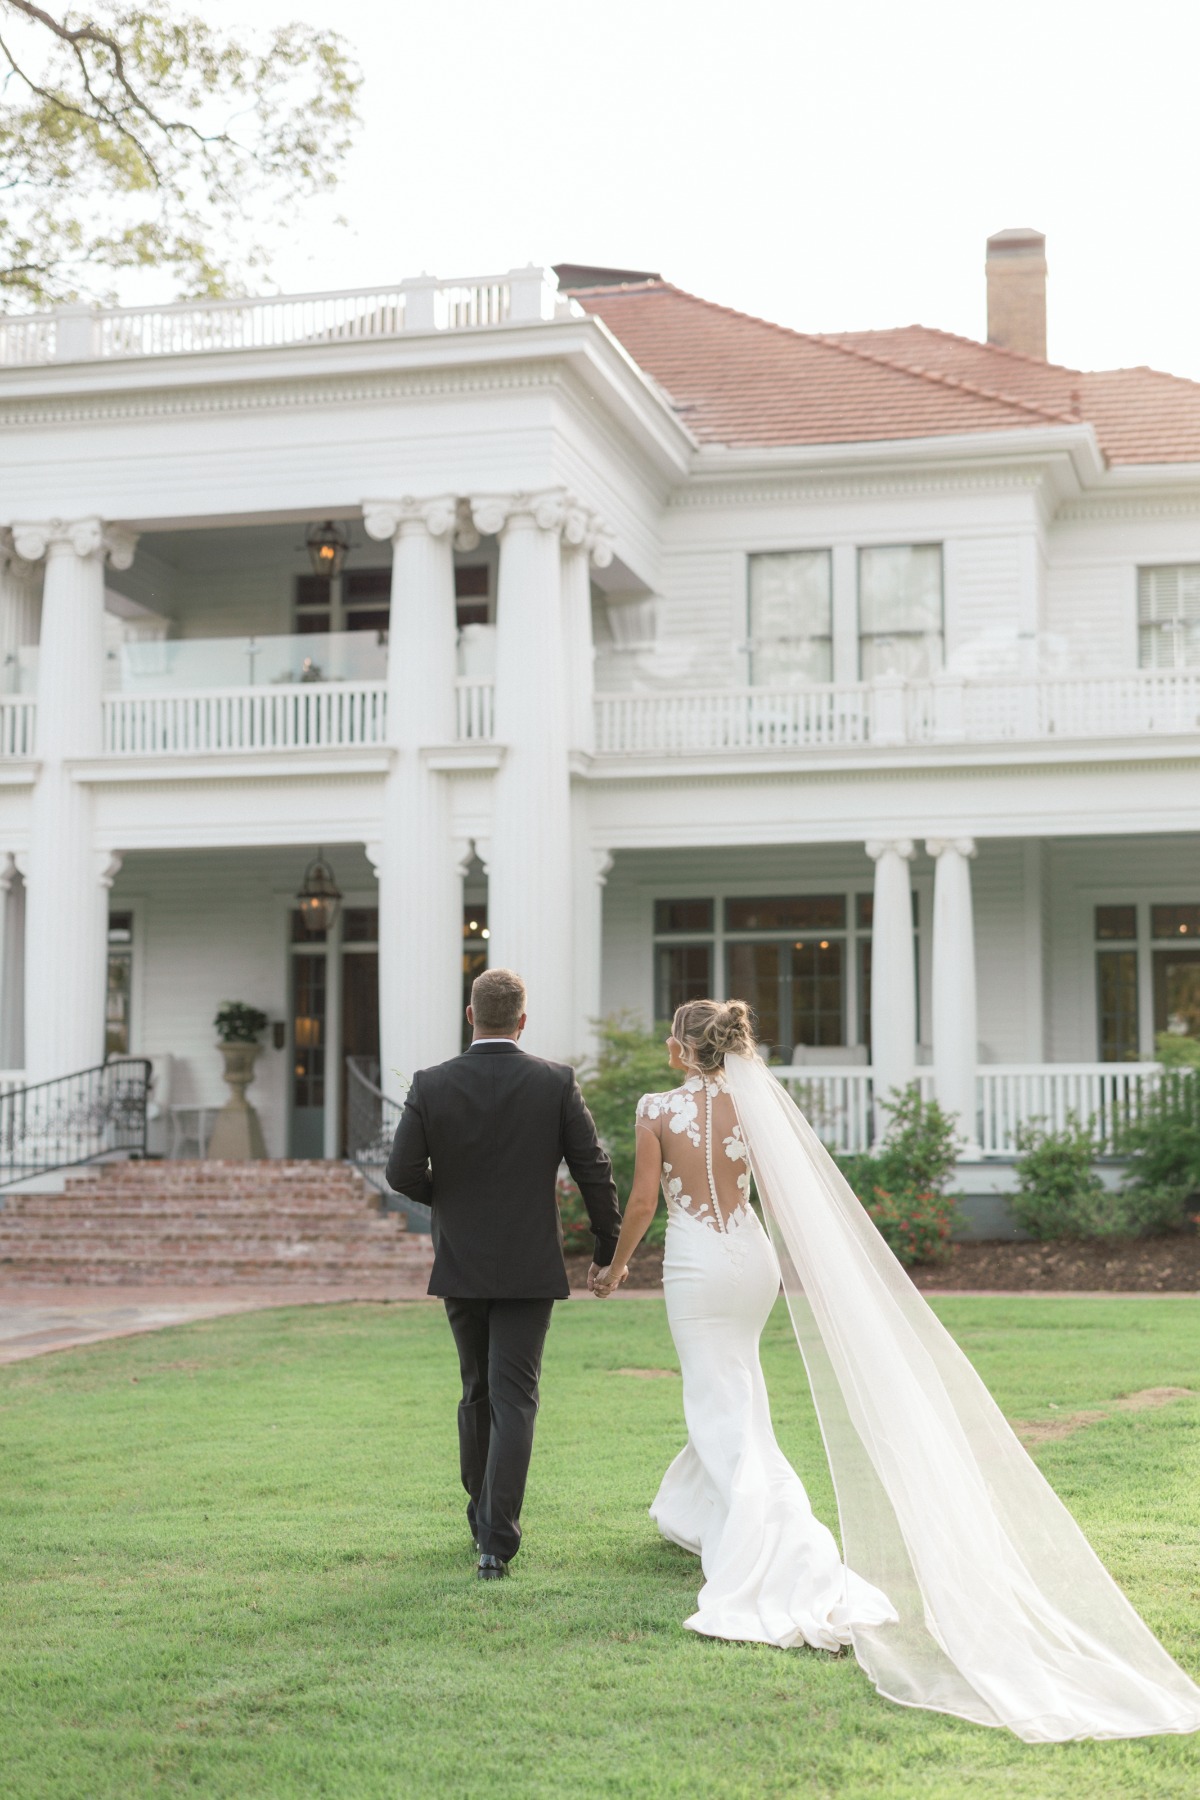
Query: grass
235	1563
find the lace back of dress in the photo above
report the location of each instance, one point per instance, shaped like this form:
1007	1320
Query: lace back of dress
705	1171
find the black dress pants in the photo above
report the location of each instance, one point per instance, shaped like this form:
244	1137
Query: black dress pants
500	1354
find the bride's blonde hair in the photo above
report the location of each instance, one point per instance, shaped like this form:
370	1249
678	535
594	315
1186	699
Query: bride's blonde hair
711	1030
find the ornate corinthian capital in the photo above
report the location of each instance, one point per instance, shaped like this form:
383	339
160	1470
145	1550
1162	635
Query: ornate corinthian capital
85	537
384	519
489	512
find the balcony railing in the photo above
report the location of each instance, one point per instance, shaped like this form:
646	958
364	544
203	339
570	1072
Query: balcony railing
475	709
17	716
82	334
893	713
304	716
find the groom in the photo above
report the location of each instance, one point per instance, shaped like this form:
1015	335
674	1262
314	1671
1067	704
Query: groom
480	1141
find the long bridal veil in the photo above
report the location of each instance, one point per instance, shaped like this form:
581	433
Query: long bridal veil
1007	1617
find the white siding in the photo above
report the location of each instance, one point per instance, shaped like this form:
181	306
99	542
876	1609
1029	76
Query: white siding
983	603
1089	611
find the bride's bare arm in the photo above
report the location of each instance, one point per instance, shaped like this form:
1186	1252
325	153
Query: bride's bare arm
643	1202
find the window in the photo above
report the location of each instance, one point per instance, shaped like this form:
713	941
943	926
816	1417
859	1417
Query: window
1176	970
1169	617
1116	922
900	611
474	955
1117	1004
797	991
120	981
308	1032
791	618
314	603
682	971
804	912
366	599
683	915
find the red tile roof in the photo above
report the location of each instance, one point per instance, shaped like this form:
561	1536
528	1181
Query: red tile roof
742	381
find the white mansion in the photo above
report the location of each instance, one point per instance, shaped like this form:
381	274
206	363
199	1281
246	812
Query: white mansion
649	648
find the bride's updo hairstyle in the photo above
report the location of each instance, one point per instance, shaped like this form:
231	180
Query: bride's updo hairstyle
711	1030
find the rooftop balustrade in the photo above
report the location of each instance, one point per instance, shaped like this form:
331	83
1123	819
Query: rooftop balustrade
72	334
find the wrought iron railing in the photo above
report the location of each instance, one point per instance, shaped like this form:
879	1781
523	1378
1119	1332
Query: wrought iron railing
371	1121
74	1119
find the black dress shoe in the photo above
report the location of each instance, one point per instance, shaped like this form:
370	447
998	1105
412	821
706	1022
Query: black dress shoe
491	1568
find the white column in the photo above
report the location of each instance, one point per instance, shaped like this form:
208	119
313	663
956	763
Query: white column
420	888
591	870
20	610
67	882
530	870
8	875
893	972
955	1026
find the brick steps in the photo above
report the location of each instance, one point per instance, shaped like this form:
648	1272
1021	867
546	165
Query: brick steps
210	1224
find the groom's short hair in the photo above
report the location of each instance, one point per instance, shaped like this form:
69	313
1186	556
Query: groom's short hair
498	1000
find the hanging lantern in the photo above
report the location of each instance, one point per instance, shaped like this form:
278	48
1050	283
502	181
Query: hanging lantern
327	545
319	896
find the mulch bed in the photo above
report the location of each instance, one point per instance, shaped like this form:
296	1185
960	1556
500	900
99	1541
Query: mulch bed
1169	1264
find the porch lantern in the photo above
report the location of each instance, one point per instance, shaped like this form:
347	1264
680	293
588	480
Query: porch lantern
327	545
319	896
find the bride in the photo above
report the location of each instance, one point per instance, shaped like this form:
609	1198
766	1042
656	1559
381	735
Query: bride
967	1587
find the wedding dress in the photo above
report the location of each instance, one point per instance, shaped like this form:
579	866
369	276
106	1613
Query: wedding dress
772	1571
997	1608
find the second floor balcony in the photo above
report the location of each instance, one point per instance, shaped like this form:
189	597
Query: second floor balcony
329	691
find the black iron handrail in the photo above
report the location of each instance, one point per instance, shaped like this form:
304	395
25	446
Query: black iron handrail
371	1121
74	1119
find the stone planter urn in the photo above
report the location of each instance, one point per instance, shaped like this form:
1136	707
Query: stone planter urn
237	1135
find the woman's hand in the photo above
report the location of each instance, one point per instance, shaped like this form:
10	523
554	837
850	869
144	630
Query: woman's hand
609	1280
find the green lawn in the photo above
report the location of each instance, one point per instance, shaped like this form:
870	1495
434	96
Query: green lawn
235	1563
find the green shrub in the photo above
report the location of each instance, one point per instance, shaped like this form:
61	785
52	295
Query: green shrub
902	1184
628	1063
1163	1143
1176	1052
1060	1195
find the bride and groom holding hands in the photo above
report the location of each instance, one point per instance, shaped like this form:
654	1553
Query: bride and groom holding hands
966	1587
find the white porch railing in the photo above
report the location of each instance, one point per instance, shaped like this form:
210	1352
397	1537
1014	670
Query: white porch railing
475	703
305	716
11	1080
190	327
1013	1094
836	1102
17	720
888	713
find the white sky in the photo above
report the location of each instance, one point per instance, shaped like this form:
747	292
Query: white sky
828	165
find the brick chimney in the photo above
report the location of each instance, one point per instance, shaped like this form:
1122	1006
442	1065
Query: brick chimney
1016	291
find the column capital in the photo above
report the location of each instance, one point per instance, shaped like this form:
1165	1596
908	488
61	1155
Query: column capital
8	870
12	563
965	846
34	539
437	514
877	847
108	866
602	863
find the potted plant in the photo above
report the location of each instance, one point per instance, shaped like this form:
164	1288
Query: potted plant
237	1134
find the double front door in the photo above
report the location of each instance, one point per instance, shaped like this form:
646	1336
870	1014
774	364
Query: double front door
334	1014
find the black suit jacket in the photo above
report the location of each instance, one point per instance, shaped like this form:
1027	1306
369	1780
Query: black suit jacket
480	1141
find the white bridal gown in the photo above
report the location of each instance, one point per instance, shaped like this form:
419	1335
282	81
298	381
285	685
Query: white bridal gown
772	1572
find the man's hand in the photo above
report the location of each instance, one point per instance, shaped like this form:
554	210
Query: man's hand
607	1281
591	1279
